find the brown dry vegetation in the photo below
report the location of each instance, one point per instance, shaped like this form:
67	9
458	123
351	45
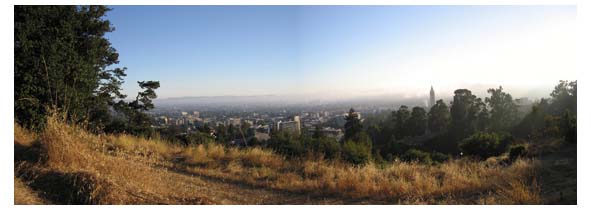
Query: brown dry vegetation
24	195
69	165
76	167
454	182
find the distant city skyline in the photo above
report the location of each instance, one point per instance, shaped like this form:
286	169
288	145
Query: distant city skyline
344	51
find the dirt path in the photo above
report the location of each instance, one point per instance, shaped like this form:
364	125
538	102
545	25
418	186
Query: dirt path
231	193
221	191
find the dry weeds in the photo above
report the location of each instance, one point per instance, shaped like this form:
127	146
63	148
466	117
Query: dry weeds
123	169
456	181
24	195
74	157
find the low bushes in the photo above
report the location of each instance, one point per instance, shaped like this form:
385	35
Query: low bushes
516	151
417	155
327	146
485	145
439	157
356	153
568	126
287	144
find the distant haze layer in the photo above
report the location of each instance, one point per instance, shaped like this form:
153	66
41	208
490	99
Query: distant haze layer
373	98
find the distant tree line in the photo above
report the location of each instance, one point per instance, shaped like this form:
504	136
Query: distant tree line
469	125
471	122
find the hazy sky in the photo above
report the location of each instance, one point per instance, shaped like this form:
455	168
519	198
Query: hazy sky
344	50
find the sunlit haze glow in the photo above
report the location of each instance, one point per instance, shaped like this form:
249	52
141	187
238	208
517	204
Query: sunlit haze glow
345	51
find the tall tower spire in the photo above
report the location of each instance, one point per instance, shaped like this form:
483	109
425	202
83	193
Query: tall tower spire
431	97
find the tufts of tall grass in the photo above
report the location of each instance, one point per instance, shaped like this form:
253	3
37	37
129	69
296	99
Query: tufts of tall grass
23	137
261	158
90	175
142	146
455	181
24	195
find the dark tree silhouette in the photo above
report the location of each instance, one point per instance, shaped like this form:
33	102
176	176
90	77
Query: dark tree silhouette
462	114
503	111
401	118
60	59
417	123
439	117
61	63
352	124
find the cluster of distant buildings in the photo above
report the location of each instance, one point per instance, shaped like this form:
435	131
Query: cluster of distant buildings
296	123
262	124
183	119
292	125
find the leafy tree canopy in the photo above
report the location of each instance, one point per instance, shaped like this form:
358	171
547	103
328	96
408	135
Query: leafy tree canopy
62	62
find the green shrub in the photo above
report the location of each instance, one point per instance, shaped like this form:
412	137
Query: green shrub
378	159
356	153
417	155
287	144
441	143
568	126
395	148
328	146
193	139
439	157
389	157
517	151
484	145
552	125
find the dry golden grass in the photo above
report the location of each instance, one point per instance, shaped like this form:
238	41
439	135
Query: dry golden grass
73	155
234	167
521	192
456	181
261	158
196	155
63	145
123	169
210	153
215	152
23	137
24	195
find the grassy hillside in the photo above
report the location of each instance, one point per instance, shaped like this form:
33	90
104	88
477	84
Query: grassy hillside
64	164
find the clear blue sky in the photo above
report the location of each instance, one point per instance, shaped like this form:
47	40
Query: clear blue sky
253	50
